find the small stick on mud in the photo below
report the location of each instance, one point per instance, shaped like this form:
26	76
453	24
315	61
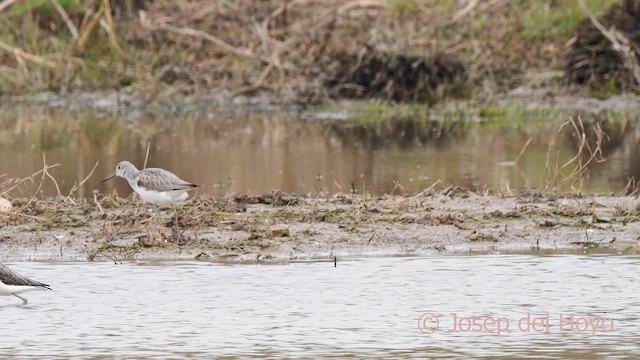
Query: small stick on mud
23	215
418	195
372	236
95	200
396	185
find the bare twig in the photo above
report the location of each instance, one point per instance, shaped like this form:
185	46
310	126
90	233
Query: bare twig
76	187
146	157
524	148
281	10
465	10
574	170
475	6
5	4
46	172
418	195
95	200
631	188
85	20
258	85
197	33
72	28
111	29
359	4
21	54
24	180
87	31
514	162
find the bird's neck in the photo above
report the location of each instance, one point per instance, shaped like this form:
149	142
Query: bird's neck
132	178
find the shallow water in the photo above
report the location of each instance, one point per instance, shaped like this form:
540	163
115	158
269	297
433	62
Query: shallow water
254	152
370	307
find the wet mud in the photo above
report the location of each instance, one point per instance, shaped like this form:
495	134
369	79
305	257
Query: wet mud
287	227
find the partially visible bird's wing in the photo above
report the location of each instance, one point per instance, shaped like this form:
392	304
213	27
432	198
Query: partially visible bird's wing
162	180
10	277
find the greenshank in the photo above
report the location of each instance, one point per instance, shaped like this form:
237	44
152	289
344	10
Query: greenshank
156	186
12	283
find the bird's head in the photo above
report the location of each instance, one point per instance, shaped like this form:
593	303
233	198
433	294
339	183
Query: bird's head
124	169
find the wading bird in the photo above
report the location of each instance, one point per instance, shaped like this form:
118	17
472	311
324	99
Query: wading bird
156	186
12	283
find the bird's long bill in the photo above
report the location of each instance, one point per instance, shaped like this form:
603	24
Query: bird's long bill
108	178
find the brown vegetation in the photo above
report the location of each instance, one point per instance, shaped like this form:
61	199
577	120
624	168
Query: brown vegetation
293	51
606	51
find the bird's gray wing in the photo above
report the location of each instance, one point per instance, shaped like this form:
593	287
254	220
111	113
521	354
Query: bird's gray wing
10	277
162	180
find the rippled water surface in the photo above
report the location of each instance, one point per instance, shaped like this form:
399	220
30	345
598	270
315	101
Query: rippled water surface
371	307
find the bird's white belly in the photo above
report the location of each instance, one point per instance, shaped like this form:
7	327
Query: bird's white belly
161	197
6	290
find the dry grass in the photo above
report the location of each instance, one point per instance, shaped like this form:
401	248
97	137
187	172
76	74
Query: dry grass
572	173
297	51
31	188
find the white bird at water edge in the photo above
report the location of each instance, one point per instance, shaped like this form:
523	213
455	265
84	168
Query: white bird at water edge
157	186
154	185
12	283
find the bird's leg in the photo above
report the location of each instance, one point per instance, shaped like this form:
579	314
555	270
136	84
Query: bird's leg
175	210
155	220
155	230
24	301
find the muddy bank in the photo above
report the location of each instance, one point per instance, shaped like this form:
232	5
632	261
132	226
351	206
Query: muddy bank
531	97
284	227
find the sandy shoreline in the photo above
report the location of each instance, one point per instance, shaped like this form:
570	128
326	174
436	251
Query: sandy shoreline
284	227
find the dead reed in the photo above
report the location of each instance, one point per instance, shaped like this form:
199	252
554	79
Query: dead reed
571	174
31	187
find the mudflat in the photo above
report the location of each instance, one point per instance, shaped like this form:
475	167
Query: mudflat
285	227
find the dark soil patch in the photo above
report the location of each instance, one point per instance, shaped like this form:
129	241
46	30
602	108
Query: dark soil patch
396	77
591	58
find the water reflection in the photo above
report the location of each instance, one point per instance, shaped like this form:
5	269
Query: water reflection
255	152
